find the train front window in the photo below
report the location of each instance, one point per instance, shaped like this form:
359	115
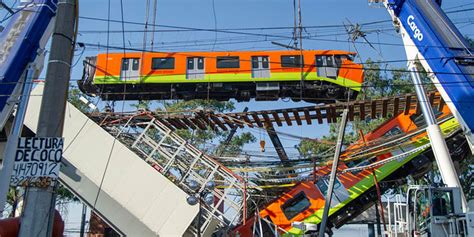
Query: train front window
292	61
162	63
339	58
326	61
228	62
295	206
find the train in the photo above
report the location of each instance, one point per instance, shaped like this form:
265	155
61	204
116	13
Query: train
309	75
355	191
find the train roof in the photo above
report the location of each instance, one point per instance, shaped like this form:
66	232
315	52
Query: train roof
193	53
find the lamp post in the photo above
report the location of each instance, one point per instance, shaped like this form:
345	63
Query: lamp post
197	197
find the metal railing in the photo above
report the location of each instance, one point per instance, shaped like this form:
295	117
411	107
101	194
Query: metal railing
182	163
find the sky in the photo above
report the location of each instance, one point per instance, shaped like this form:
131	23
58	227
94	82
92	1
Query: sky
323	21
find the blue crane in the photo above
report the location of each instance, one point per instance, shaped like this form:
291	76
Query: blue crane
23	41
432	39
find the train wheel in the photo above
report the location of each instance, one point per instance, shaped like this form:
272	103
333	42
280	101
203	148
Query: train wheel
245	95
333	93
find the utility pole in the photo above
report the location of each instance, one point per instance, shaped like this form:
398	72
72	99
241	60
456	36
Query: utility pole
438	144
38	215
332	178
300	32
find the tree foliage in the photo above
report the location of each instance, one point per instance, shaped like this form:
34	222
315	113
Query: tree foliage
74	98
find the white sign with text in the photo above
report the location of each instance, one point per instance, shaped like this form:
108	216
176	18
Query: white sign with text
37	161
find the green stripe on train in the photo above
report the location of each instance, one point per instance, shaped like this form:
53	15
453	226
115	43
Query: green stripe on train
368	181
236	77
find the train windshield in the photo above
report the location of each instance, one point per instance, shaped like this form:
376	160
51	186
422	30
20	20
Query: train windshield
295	206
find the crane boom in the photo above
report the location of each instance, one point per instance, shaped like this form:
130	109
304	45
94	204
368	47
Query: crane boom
23	41
432	39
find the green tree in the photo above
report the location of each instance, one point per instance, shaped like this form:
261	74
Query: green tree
142	105
74	97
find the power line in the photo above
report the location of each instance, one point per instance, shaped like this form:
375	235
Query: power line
231	29
271	37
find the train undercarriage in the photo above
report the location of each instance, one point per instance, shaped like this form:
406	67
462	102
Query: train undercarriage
313	91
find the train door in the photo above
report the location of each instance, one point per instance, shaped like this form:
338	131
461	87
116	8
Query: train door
326	66
130	69
260	67
195	68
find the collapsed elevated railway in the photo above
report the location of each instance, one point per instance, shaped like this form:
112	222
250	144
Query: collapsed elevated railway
381	159
395	150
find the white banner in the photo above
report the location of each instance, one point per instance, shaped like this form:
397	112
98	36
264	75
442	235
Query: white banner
37	161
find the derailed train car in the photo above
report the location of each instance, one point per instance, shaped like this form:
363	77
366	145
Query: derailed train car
311	75
354	191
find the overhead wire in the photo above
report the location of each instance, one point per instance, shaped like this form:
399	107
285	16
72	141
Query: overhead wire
123	107
306	65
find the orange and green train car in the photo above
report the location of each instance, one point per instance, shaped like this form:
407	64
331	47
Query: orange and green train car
311	75
354	191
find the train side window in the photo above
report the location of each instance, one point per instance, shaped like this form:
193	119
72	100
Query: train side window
291	61
190	63
394	131
228	62
125	64
419	120
254	62
295	206
358	163
162	63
